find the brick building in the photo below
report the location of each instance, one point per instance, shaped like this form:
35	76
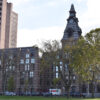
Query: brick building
11	27
23	65
8	25
72	33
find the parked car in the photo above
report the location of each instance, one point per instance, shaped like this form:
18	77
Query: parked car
20	93
78	94
9	93
47	94
74	94
55	92
27	93
1	93
66	94
36	94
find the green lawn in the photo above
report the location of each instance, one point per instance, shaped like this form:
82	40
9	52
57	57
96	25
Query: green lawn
40	98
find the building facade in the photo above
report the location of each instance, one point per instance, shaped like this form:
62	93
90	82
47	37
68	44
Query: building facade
2	22
11	27
21	64
72	33
8	25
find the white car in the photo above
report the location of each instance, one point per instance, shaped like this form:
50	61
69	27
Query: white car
9	93
55	91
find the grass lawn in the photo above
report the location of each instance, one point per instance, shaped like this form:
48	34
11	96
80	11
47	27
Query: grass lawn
41	98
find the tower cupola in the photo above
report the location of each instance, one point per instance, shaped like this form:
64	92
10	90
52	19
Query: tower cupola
72	30
72	11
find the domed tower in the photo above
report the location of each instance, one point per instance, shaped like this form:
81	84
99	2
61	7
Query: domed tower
72	31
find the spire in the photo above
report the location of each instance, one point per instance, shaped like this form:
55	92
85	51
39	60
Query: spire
72	29
72	9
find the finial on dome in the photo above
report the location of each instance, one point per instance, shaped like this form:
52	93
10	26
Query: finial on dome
72	8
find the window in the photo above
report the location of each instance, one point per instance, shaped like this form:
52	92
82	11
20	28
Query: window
27	61
10	57
27	55
27	67
66	67
10	67
67	77
57	57
56	75
13	68
31	81
21	81
67	55
31	74
61	63
21	61
73	88
6	69
32	60
56	68
61	68
84	88
74	77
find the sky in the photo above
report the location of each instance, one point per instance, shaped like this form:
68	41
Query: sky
41	20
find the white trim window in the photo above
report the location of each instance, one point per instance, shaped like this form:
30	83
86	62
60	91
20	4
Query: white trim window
61	68
57	75
27	55
27	61
33	61
21	61
27	67
31	74
56	68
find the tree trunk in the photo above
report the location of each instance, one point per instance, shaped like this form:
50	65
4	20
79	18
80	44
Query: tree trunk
67	89
93	86
92	90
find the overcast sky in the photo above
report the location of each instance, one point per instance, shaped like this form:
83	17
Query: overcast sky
41	20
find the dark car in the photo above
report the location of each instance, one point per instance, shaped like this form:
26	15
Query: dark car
27	93
64	94
78	94
47	94
20	93
70	94
74	94
1	93
36	94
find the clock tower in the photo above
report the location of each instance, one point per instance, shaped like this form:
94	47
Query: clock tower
72	31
